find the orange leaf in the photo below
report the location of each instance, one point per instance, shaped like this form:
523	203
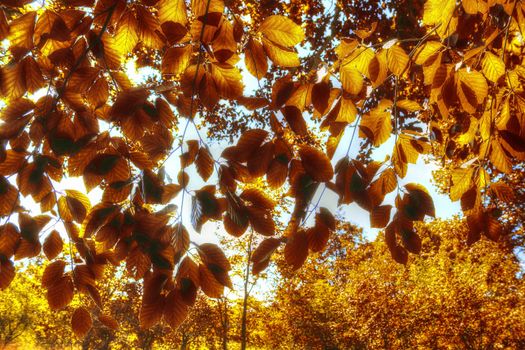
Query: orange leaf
258	198
255	59
209	284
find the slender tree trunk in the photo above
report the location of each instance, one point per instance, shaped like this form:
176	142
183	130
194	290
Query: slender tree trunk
184	342
246	292
223	315
225	327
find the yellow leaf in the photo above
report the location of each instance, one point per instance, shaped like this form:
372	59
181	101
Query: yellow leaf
439	13
493	67
21	31
472	7
282	31
430	68
426	51
397	60
499	158
351	79
409	105
470	134
347	112
472	88
360	59
172	11
228	80
345	48
281	56
461	182
126	36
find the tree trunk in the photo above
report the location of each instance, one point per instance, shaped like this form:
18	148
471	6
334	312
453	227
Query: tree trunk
184	342
245	299
224	322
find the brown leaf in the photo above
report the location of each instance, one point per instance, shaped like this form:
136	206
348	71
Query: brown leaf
418	202
380	216
261	221
316	163
317	237
175	310
53	245
204	163
9	239
249	142
209	284
52	273
108	321
211	254
294	117
60	293
7	273
296	249
81	322
320	96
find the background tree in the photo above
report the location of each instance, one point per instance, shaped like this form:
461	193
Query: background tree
449	296
20	310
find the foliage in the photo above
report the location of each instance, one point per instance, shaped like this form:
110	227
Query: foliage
437	78
446	297
350	296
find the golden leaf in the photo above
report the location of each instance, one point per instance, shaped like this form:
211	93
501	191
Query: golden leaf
492	66
126	37
461	182
172	11
351	79
397	60
282	31
281	56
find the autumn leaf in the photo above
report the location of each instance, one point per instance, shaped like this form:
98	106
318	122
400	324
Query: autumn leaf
81	322
281	31
296	249
316	164
53	245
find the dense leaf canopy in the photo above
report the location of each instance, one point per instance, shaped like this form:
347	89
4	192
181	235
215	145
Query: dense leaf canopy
291	85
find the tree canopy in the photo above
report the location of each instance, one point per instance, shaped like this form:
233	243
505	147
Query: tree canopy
244	114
